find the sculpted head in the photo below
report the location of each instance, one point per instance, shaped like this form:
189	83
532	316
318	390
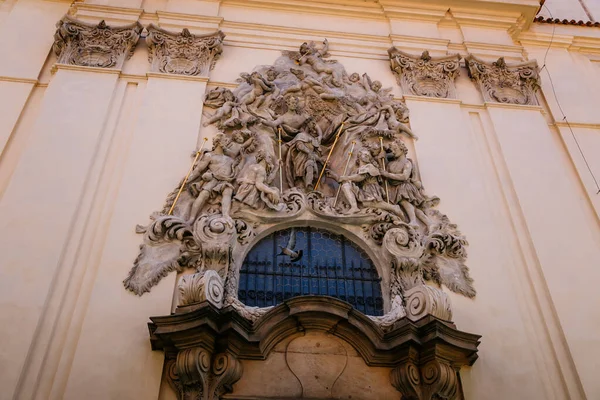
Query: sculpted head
228	95
376	86
218	141
292	103
271	74
355	77
364	156
238	136
398	148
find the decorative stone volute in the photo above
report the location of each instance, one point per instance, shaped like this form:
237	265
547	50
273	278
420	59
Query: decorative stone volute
89	45
199	287
503	83
183	53
425	75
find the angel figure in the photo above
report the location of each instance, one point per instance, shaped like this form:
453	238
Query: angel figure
394	116
241	141
212	177
302	157
308	82
229	108
374	93
402	176
309	54
254	189
259	87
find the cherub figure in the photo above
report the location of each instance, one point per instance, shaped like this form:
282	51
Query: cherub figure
212	177
254	189
229	108
309	54
308	82
394	115
259	88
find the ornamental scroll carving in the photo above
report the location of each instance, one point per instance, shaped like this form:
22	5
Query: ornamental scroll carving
183	53
425	75
89	45
503	83
304	140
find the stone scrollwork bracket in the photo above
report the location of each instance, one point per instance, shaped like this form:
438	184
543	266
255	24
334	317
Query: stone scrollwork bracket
183	53
425	75
503	83
89	45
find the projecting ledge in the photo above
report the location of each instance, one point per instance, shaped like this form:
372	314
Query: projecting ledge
414	349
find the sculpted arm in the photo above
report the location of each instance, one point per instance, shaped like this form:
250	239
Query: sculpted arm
200	168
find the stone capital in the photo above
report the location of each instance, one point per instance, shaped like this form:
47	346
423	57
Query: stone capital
183	53
503	83
83	44
425	75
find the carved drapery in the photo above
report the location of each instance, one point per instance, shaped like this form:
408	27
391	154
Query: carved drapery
183	53
425	75
89	45
503	83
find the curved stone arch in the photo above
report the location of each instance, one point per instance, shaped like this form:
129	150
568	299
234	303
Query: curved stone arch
380	259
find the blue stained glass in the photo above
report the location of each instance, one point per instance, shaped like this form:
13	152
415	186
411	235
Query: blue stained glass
309	261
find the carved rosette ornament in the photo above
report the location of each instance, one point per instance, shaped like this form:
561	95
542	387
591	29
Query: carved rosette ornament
89	45
425	75
183	53
503	83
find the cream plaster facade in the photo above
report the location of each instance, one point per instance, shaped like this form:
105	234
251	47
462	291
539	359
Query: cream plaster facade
87	153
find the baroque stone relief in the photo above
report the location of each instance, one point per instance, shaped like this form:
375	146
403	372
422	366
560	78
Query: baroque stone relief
183	53
89	45
304	141
503	83
425	75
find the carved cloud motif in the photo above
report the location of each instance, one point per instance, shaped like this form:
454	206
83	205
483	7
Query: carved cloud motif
89	45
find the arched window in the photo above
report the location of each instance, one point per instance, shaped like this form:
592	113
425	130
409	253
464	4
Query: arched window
309	261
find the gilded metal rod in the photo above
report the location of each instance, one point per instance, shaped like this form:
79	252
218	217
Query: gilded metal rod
345	171
387	192
280	163
337	136
198	154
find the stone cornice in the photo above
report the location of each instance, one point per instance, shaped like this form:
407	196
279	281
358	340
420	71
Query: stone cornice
111	14
162	75
18	80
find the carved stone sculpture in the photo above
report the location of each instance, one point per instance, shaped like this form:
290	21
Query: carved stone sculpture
81	43
183	53
503	83
425	75
303	140
200	287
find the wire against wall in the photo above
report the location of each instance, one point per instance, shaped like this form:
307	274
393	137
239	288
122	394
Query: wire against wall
545	67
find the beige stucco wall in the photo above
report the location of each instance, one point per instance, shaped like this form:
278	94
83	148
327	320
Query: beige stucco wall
87	154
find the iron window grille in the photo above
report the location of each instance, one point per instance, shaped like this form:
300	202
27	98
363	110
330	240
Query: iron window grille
329	264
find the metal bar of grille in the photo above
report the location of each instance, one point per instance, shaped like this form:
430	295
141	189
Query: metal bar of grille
267	279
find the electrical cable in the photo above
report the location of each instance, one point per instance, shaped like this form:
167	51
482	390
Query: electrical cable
544	66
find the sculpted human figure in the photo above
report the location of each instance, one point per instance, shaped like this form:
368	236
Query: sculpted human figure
303	156
259	88
312	56
393	116
405	187
308	82
211	177
363	185
254	189
292	120
228	108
